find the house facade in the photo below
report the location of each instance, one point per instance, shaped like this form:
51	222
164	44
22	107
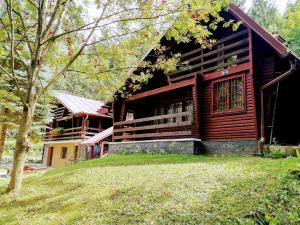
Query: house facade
237	94
76	121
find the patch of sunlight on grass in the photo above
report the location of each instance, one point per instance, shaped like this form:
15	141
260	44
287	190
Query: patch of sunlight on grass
144	189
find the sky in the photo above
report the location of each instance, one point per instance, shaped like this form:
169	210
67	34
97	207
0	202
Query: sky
280	4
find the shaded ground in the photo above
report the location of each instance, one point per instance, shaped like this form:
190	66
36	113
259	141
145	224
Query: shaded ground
145	189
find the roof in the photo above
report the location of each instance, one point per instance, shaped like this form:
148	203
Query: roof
239	14
79	105
98	137
278	46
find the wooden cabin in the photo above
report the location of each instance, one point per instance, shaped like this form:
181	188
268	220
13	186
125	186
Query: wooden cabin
241	91
76	120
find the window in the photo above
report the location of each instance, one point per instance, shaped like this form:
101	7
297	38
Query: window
228	95
76	152
64	152
187	107
173	108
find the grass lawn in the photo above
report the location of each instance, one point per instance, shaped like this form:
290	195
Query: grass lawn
146	189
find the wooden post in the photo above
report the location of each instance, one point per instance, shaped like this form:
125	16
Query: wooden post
101	149
122	111
83	129
92	151
250	37
196	106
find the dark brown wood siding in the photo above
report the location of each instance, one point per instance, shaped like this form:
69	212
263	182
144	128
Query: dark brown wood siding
235	126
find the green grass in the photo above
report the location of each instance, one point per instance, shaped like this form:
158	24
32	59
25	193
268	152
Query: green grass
146	189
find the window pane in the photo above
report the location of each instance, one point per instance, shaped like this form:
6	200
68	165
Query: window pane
236	94
177	109
188	107
64	152
220	96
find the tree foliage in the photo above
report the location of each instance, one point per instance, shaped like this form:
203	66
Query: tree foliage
266	14
44	41
290	28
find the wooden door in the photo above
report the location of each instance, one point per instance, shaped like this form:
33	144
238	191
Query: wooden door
50	156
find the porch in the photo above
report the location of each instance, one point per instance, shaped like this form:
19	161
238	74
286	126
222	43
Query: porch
162	113
60	134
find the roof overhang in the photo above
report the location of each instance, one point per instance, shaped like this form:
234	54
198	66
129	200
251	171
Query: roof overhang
160	90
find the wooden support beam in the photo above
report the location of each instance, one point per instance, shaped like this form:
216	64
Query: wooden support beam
167	116
150	135
151	127
205	62
235	35
232	70
162	90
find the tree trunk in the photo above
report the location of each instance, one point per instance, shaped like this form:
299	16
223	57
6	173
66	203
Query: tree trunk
2	140
22	147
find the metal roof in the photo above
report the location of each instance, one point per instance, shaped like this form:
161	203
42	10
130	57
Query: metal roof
98	137
79	105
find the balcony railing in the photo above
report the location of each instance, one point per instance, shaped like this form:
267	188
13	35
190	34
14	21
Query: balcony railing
170	125
70	133
225	53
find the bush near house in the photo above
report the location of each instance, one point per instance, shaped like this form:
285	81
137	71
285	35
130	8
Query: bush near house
160	189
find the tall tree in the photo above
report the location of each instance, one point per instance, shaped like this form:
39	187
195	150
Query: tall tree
51	39
290	28
266	14
8	110
240	3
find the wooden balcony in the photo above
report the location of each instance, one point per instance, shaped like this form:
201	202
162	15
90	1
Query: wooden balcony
225	53
177	125
70	133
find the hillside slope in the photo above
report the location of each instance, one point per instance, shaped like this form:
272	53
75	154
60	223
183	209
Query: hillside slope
146	189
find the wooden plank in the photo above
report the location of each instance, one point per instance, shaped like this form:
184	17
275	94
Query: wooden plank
58	109
65	118
186	76
227	47
216	43
241	60
150	135
63	138
153	118
151	127
196	66
161	90
232	70
73	128
92	128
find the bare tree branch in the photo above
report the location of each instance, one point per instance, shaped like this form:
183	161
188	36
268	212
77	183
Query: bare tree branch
70	62
125	34
52	18
83	28
12	47
25	31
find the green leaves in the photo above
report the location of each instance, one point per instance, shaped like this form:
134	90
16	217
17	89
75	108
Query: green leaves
290	28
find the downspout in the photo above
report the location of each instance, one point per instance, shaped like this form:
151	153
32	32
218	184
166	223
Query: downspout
271	83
